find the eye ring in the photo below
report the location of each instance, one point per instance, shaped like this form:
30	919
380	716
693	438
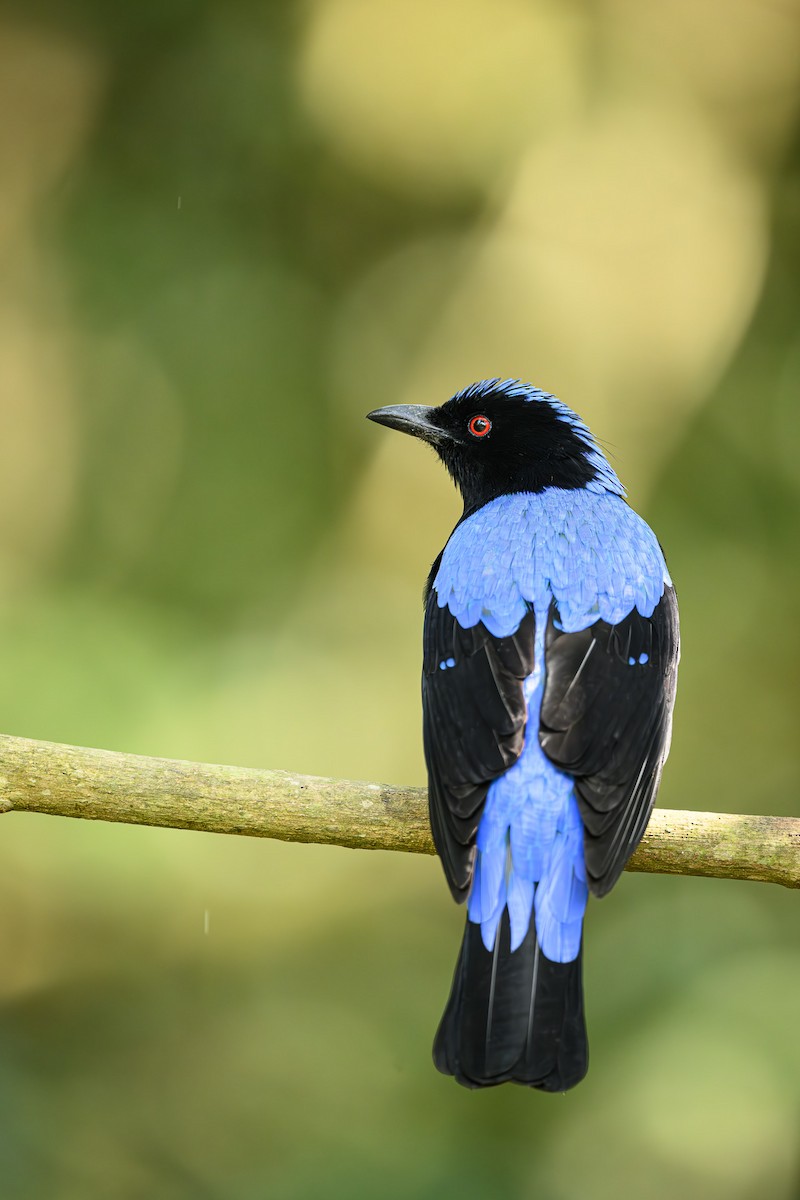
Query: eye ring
479	425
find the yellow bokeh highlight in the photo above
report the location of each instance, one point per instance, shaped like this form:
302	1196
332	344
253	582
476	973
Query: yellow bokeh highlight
433	97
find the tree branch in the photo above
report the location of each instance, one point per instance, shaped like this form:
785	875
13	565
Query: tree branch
70	781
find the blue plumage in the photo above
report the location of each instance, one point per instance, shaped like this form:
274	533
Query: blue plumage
588	551
551	649
592	555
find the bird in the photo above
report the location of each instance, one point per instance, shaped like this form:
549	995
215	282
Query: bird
550	657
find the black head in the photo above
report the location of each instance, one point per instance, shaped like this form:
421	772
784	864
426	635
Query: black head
497	437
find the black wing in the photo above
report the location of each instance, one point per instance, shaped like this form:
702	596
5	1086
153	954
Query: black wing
473	715
608	724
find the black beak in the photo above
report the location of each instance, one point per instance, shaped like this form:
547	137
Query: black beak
416	419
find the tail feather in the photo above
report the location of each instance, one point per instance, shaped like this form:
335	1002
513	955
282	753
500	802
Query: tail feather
513	1016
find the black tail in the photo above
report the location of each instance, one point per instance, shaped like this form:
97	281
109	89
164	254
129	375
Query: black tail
515	1017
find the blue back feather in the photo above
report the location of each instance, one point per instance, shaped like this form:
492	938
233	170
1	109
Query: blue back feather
588	551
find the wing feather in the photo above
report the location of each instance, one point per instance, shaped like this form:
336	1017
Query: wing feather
608	722
474	716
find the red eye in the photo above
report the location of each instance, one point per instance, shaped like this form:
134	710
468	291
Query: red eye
479	426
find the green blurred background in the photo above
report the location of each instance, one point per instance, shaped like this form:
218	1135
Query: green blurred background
227	231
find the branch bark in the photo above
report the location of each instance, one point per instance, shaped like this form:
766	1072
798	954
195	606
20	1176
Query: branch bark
70	781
